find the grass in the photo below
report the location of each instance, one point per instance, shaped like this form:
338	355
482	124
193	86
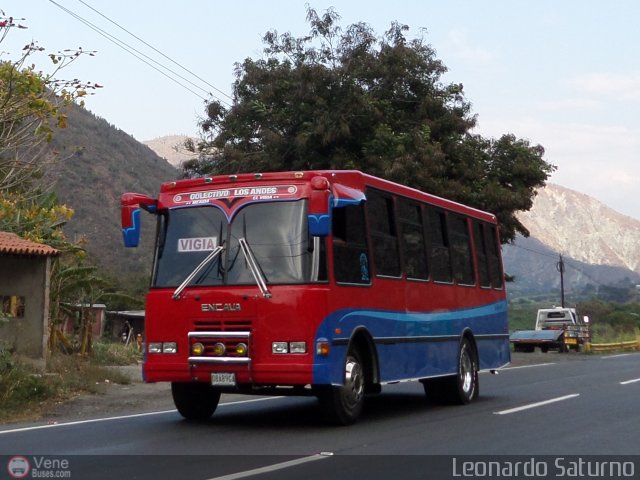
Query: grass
109	353
25	390
606	333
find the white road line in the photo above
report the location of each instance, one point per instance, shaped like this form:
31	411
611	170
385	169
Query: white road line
121	417
630	381
528	366
616	356
274	467
537	404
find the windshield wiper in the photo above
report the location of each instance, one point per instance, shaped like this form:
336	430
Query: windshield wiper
254	267
216	251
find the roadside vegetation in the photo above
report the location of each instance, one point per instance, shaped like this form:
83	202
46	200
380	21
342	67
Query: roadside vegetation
612	321
609	322
26	390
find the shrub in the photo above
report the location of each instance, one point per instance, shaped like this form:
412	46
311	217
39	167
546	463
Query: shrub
21	385
110	353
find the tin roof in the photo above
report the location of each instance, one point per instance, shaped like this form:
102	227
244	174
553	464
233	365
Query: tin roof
12	244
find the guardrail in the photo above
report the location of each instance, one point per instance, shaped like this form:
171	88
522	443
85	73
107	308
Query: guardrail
614	347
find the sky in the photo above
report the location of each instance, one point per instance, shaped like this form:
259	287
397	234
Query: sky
562	74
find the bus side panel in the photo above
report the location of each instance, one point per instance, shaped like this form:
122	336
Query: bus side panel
414	345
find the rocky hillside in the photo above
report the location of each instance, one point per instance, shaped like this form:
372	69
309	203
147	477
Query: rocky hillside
584	228
171	148
600	246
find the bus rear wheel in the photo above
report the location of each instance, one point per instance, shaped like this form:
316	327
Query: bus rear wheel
195	401
342	405
461	388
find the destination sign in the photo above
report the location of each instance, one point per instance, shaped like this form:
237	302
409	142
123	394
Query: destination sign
267	192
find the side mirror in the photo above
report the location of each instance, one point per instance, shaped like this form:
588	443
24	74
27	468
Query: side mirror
130	204
319	217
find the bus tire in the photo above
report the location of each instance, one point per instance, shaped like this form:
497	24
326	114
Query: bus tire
461	388
195	401
342	405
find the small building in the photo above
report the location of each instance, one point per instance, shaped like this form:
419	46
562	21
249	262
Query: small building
25	272
126	322
94	313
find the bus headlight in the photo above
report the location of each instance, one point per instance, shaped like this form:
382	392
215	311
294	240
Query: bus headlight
154	347
197	349
169	347
279	347
297	347
242	350
219	349
289	347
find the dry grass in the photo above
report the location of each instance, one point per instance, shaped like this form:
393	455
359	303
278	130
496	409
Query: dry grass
26	391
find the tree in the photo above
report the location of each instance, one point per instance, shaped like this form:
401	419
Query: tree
351	100
32	105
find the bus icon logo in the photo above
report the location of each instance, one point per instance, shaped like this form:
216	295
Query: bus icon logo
18	467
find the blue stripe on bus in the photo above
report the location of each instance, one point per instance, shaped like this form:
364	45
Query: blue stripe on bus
414	345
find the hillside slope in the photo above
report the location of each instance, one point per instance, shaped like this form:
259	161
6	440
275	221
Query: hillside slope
600	246
170	147
583	228
98	163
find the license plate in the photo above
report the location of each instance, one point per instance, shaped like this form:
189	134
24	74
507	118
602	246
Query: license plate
223	379
571	341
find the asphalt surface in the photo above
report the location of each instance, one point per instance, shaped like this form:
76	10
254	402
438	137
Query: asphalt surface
545	405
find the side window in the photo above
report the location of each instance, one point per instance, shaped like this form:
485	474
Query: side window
384	237
462	260
493	254
350	255
481	253
439	254
412	240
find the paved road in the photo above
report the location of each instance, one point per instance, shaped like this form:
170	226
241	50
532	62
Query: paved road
585	406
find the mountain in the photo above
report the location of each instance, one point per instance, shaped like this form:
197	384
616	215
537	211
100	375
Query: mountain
171	148
584	228
97	163
600	246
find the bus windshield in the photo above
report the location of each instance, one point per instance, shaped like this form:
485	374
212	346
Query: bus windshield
275	232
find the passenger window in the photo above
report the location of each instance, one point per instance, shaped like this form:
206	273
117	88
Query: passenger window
481	253
462	260
350	254
439	254
493	253
412	240
384	237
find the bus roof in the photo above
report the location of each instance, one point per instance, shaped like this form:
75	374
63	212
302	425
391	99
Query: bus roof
350	178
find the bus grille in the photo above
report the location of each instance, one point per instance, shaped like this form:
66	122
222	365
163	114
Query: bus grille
222	325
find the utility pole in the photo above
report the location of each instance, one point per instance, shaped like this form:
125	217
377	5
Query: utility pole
560	267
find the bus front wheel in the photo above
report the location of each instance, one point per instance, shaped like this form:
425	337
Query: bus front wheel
195	401
342	404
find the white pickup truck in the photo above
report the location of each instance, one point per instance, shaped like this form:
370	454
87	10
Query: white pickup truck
556	328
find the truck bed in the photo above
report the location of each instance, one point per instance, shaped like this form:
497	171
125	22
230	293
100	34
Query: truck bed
535	336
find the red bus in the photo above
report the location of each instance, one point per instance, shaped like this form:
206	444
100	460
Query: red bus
325	283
